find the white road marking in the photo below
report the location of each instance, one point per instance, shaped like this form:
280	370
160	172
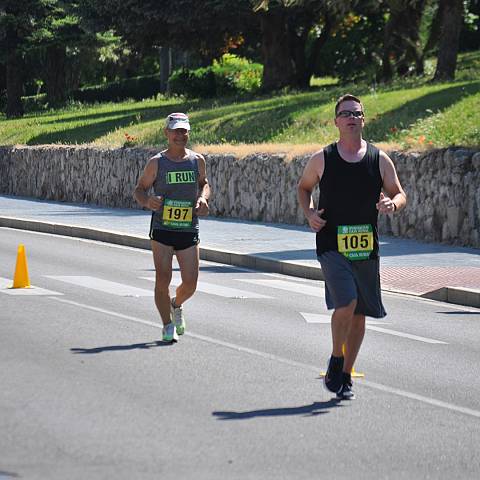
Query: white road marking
286	361
314	291
5	287
326	318
214	289
105	286
405	335
297	279
316	317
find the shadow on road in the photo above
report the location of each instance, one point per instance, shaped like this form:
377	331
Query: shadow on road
316	408
108	348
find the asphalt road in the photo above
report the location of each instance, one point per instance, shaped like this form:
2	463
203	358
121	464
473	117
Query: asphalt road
88	390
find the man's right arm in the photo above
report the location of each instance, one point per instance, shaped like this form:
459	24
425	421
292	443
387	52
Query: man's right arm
311	176
143	186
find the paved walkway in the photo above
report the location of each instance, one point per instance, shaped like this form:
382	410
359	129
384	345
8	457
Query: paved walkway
436	271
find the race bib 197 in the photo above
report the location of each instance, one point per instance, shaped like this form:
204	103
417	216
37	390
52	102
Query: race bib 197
355	241
177	213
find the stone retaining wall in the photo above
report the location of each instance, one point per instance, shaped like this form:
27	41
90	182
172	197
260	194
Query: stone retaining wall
442	186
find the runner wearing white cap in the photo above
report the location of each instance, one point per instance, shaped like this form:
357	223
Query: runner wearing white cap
180	195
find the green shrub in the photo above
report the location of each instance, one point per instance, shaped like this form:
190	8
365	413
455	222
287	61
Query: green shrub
230	75
136	88
193	83
246	76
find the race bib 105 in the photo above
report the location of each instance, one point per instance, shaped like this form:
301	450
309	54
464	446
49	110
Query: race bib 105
355	241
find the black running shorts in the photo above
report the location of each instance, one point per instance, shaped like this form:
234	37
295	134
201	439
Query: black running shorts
177	240
347	280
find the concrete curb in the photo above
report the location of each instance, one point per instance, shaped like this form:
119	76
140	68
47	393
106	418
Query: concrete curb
460	296
255	262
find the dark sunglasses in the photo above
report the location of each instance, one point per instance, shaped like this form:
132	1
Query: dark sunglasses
348	113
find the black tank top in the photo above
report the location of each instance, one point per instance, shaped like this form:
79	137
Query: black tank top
349	193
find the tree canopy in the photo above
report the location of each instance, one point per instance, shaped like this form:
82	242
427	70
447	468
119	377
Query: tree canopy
59	45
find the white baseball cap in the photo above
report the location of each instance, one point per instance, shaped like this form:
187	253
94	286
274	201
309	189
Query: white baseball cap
177	120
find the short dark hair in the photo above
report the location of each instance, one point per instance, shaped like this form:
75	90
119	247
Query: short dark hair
345	98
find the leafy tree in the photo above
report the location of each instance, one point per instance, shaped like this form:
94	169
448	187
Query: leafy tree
208	28
39	29
213	27
353	50
60	32
402	38
293	34
470	34
18	21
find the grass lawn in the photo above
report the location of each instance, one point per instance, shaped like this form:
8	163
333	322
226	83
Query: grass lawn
414	114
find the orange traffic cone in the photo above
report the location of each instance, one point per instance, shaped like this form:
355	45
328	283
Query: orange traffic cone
21	279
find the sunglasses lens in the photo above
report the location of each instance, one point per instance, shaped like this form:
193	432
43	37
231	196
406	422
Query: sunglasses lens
348	113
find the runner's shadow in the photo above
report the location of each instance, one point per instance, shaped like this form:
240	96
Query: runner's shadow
110	348
315	408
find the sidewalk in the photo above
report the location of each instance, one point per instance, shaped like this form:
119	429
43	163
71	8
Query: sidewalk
440	272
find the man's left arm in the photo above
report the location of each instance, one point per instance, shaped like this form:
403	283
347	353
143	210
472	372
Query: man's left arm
395	198
201	207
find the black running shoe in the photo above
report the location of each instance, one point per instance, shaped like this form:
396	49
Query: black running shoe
333	379
346	392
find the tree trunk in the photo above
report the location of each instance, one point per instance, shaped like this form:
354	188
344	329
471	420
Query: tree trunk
14	84
55	75
315	54
299	24
434	33
297	45
165	67
3	77
449	39
278	67
387	70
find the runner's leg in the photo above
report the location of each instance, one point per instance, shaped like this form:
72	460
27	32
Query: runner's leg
188	260
354	341
341	321
162	258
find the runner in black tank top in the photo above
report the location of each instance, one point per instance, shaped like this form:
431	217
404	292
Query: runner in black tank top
351	175
344	185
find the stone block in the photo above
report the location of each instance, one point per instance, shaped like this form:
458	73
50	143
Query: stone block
454	220
476	161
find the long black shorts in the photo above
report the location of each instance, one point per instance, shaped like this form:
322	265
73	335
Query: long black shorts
177	240
346	281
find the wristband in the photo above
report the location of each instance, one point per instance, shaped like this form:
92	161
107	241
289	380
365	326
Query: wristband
394	206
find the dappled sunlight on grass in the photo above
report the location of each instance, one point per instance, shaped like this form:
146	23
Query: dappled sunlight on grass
409	114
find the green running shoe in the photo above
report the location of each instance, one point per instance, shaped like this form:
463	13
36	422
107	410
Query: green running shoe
169	334
177	317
